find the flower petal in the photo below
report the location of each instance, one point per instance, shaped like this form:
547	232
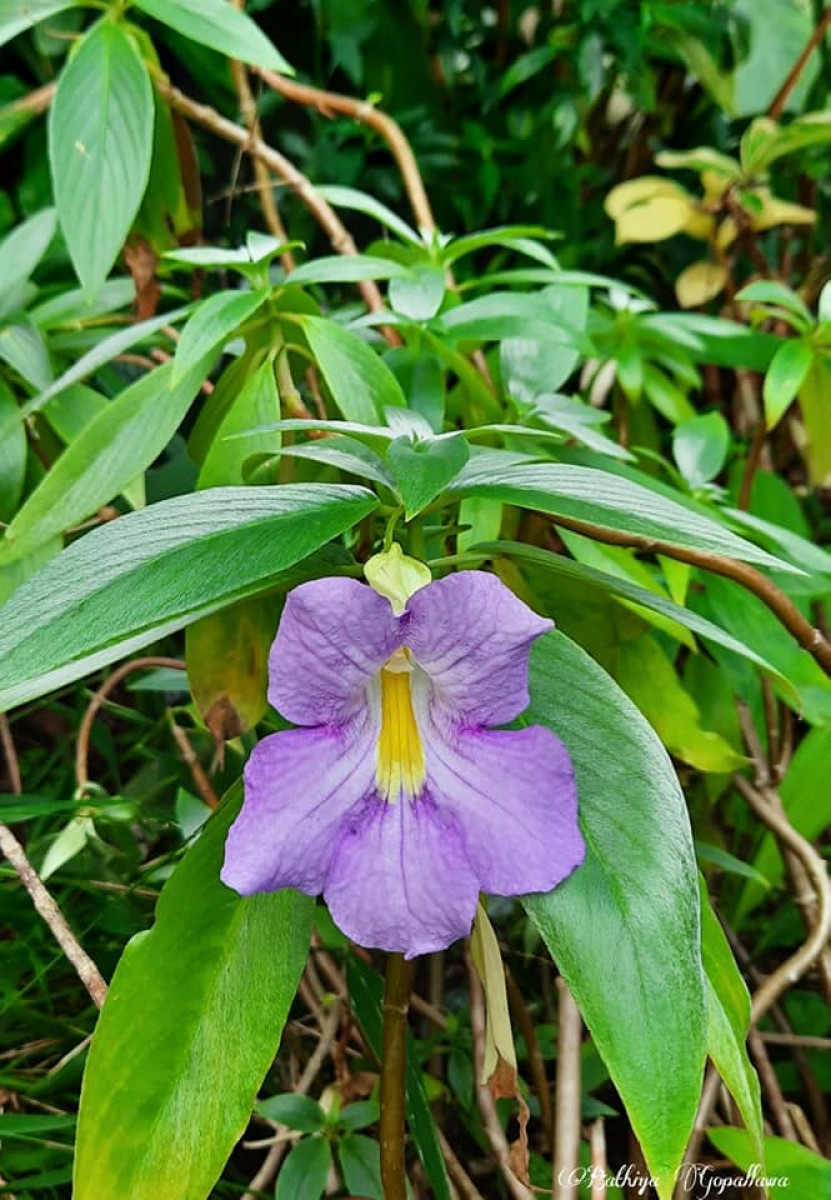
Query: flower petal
334	636
299	786
472	636
513	795
401	879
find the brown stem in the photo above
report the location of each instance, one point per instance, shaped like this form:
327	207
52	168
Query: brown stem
754	458
803	631
399	985
781	98
567	1114
535	1059
770	1086
200	778
98	699
324	214
364	113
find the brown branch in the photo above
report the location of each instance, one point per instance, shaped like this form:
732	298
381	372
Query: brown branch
98	699
321	210
465	1186
748	577
484	1097
85	968
567	1113
599	1159
781	98
364	113
770	1086
535	1058
198	774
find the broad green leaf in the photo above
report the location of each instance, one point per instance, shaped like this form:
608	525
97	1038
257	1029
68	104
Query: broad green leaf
423	468
116	445
573	418
505	315
23	248
728	1022
351	198
534	369
100	141
12	454
361	384
257	403
340	268
18	15
715	340
629	916
700	447
791	1169
69	413
297	1112
259	248
421	378
204	995
626	590
366	990
360	1160
785	376
608	501
648	677
75	305
418	293
221	26
215	321
815	402
134	580
305	1171
770	291
23	348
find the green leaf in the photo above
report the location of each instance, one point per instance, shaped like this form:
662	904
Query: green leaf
366	991
12	454
347	454
728	1022
418	294
715	340
795	1170
361	383
351	198
506	315
360	1160
421	377
632	908
70	841
785	376
424	467
339	268
700	447
23	348
359	1114
297	1112
305	1171
608	501
100	142
257	403
19	15
204	995
117	444
23	248
534	369
815	402
221	26
105	351
770	291
215	321
130	582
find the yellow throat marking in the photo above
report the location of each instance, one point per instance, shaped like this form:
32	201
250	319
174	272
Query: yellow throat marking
400	767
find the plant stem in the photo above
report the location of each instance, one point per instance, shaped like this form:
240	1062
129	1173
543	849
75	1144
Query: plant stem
399	984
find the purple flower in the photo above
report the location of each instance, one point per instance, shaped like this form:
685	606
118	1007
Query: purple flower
394	799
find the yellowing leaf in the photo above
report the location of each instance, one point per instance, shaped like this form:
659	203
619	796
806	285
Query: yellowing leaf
778	212
699	282
700	224
654	220
728	231
815	402
638	191
487	958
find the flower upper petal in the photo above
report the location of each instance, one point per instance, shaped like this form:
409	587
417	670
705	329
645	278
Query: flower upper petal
401	879
514	796
299	787
472	636
334	636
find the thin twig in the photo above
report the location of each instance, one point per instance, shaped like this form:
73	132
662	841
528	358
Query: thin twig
99	698
770	1084
599	1159
567	1111
487	1105
268	1169
535	1058
198	774
466	1187
781	98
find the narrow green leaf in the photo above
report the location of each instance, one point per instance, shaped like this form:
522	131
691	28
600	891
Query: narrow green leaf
795	1170
366	990
221	26
215	321
815	402
770	291
12	454
347	454
351	198
23	248
305	1171
785	376
424	468
75	305
728	1022
127	583
608	501
116	446
297	1112
257	403
339	268
18	15
361	384
632	907
100	141
204	995
23	348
